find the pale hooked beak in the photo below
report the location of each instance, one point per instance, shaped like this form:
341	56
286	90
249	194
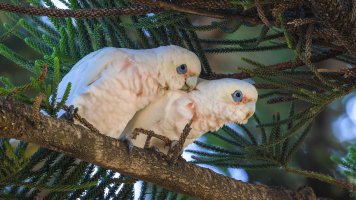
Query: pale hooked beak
251	106
190	83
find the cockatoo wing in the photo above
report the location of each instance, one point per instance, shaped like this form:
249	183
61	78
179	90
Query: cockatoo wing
102	91
89	69
111	84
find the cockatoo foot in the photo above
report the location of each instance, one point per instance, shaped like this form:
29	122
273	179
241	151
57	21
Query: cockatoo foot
69	115
128	142
153	148
174	152
173	160
173	144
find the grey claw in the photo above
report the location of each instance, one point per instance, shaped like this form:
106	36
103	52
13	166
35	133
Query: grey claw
69	115
173	144
156	150
128	142
172	147
153	148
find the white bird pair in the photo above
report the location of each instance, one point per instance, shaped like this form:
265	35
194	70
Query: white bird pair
118	90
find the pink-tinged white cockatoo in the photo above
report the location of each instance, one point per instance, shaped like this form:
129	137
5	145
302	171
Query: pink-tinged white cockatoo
111	84
211	105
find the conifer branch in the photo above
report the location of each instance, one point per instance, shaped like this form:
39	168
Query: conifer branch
282	66
321	177
261	13
79	142
78	13
200	12
137	9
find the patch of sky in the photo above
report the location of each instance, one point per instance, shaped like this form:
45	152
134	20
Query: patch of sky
344	127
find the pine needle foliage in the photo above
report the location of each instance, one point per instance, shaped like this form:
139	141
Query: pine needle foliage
61	42
348	163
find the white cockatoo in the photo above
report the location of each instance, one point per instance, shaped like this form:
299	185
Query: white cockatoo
111	84
211	105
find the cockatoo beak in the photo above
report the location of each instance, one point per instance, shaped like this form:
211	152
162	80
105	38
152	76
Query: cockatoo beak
190	83
251	107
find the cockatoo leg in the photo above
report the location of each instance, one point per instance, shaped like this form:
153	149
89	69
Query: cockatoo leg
154	149
128	140
150	147
177	146
174	148
174	152
69	115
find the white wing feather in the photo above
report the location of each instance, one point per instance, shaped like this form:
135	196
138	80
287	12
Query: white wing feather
106	87
87	70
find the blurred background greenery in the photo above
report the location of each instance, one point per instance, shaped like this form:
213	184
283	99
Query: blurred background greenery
333	131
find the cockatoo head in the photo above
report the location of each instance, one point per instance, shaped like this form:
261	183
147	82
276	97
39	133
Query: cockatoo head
231	100
179	68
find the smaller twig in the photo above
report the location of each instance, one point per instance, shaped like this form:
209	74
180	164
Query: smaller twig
314	59
339	71
213	76
201	12
283	6
82	120
308	55
10	32
309	42
344	71
151	134
40	97
148	142
43	75
175	152
301	22
279	66
261	13
265	86
175	7
78	13
343	41
321	177
28	86
37	107
280	99
322	43
353	12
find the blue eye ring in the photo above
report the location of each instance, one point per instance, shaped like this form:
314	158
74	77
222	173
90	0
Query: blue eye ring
237	96
182	69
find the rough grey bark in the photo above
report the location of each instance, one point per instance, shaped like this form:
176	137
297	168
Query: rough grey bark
16	121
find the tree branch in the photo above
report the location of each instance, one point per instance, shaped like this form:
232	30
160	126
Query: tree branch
76	141
78	13
279	66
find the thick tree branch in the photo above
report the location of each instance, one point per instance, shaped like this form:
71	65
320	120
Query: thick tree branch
74	140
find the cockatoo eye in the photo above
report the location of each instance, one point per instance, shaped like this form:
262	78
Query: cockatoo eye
182	69
237	96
